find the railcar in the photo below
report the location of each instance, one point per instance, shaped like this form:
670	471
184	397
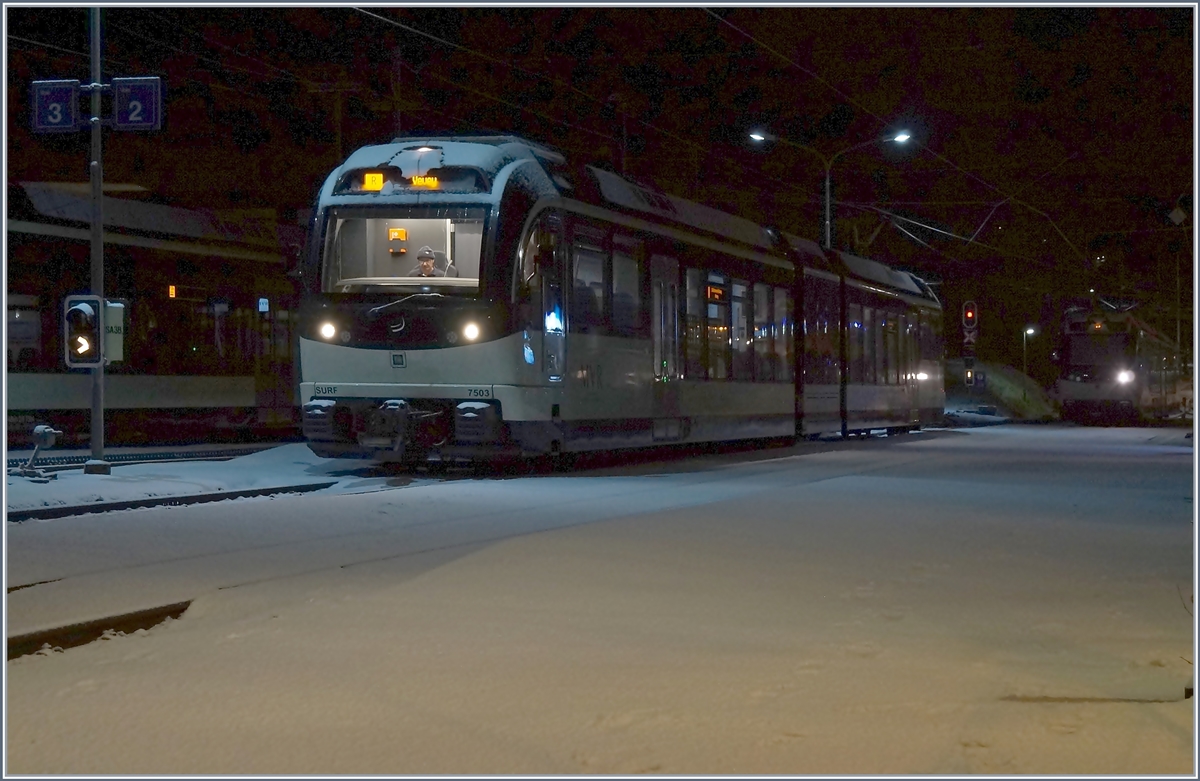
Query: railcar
208	343
587	312
1116	368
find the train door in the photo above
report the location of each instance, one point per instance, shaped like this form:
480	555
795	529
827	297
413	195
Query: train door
665	334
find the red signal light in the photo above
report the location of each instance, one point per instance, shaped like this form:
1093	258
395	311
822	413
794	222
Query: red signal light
970	315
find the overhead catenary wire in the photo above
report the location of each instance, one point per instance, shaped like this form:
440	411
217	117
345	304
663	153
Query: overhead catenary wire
649	126
926	147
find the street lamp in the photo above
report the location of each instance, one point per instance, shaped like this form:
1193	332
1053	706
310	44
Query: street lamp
1028	332
762	135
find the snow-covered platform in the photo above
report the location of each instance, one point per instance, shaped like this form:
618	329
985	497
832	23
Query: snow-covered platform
288	468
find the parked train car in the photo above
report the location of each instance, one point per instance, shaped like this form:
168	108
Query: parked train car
208	343
1116	368
586	312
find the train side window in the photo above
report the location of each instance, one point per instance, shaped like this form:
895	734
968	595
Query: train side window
588	299
854	343
694	326
820	331
716	292
889	349
627	286
764	358
741	320
880	347
868	341
784	337
528	266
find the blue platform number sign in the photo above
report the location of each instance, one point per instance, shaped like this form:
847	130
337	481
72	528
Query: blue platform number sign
137	103
55	106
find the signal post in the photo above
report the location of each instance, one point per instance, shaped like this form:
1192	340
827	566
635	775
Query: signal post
970	322
137	105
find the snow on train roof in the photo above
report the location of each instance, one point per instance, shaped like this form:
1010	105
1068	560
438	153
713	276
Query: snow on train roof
875	271
488	154
625	193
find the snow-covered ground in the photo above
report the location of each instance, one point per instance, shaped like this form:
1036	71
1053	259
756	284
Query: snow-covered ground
998	600
280	467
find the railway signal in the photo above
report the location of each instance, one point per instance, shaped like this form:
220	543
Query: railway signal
970	315
82	338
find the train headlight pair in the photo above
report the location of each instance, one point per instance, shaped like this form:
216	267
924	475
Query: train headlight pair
1125	377
328	330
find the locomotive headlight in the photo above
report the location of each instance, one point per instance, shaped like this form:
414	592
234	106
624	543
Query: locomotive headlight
471	332
1125	377
327	330
922	376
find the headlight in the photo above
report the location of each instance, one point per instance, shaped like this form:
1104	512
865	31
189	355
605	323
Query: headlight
327	330
471	332
922	376
1125	377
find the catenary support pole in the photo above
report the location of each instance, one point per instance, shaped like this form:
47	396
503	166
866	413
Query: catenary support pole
97	465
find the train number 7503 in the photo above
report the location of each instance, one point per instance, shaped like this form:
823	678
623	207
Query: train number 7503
479	393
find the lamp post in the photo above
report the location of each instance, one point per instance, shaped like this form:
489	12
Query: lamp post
761	135
1028	332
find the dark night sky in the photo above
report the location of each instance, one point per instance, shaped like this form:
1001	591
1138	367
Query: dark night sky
1052	136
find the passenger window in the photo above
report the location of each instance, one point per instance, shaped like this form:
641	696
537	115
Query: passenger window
783	336
869	350
764	358
716	293
892	363
741	320
854	343
694	325
627	308
587	304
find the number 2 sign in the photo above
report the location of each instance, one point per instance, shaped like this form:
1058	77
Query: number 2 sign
137	103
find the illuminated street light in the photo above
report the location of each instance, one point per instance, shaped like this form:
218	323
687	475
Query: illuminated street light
762	135
1028	332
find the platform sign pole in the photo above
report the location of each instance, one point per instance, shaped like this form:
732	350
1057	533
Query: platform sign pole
137	105
97	464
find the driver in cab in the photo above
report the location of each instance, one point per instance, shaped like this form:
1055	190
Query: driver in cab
425	264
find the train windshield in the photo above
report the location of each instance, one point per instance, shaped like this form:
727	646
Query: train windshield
394	249
1088	350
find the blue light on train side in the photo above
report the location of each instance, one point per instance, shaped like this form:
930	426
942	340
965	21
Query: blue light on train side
264	305
529	357
554	323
